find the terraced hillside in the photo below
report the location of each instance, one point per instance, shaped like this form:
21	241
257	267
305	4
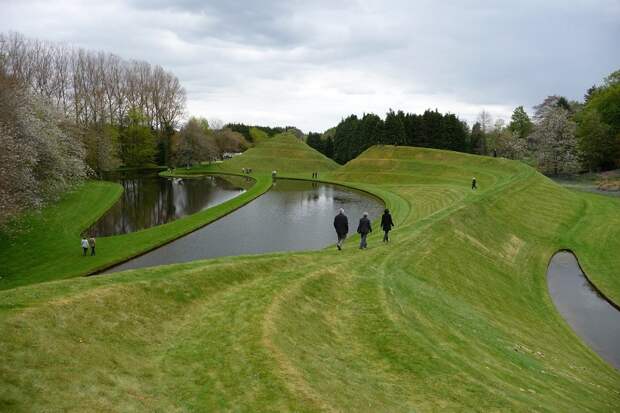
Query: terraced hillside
453	314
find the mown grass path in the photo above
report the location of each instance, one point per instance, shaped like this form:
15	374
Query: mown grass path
453	314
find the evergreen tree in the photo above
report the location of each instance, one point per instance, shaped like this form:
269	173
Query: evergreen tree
370	131
520	123
432	126
394	129
343	139
314	141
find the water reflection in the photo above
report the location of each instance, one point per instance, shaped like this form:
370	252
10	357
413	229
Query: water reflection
292	216
587	312
149	200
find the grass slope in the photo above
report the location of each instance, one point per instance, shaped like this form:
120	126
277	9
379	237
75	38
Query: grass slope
454	314
283	152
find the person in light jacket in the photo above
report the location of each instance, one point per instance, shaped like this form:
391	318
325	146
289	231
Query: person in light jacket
84	246
364	229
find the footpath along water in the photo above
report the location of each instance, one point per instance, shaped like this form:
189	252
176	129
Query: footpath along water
149	200
592	317
292	216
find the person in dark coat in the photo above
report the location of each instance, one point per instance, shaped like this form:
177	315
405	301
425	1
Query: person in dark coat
341	224
474	185
364	229
386	224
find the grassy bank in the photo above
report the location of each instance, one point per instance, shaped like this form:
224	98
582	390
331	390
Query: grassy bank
595	237
48	247
453	314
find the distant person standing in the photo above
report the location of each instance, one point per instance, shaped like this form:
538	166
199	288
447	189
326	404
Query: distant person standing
474	185
84	246
273	174
91	243
386	224
341	224
364	229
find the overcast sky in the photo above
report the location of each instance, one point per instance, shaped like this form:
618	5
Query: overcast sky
310	63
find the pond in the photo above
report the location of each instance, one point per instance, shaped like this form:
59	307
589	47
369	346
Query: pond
149	200
592	317
292	216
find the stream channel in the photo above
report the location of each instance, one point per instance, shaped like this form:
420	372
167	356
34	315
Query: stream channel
590	315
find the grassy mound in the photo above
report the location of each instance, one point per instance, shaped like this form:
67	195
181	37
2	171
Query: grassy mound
453	314
283	152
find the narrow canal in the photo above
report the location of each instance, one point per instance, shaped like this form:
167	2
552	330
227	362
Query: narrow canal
594	319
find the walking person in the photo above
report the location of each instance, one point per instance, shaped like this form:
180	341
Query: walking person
364	229
474	185
84	246
341	224
91	243
386	224
273	175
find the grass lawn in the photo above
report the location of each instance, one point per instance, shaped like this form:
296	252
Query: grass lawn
453	314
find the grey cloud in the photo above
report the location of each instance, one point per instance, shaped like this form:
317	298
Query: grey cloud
318	61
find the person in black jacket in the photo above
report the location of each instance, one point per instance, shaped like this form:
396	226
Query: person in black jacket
386	224
364	229
341	224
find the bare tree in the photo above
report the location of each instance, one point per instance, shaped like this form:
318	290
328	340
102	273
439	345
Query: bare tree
485	120
93	88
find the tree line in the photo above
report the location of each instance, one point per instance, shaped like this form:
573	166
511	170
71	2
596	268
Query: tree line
354	135
93	88
69	113
562	136
255	133
124	111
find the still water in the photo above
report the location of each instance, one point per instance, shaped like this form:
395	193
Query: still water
149	200
293	215
595	320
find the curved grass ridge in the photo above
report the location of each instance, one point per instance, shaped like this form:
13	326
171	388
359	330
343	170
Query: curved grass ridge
453	314
49	249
